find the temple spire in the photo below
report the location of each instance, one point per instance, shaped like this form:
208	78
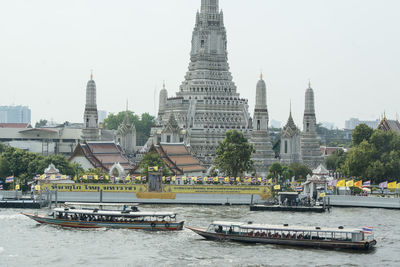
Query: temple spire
91	75
209	6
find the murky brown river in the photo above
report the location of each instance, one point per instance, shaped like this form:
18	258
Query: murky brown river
25	243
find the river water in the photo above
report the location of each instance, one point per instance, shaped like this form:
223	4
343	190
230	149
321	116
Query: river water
25	243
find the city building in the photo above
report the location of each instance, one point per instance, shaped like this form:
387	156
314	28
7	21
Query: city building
57	138
46	141
326	151
102	115
354	122
15	114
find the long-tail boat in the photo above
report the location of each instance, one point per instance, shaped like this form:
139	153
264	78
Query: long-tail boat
84	218
329	238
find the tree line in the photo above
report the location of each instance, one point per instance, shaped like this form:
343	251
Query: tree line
375	156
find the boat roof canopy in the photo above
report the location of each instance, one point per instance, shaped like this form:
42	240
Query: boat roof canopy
115	213
285	228
100	204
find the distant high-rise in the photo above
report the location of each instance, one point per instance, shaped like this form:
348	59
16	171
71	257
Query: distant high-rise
354	122
15	114
102	115
90	129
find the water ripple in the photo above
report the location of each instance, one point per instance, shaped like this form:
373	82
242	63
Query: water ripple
24	241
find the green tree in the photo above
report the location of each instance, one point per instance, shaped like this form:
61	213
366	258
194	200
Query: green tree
300	171
377	158
143	128
2	148
152	159
358	159
41	123
26	165
276	169
4	169
233	155
287	172
360	133
40	163
336	160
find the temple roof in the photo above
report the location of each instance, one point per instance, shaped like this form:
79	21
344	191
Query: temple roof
178	158
172	125
102	155
387	125
126	126
51	170
320	170
290	128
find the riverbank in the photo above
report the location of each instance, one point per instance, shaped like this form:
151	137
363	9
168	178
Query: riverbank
364	201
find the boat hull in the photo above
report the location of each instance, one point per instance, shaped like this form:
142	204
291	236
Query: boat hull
143	225
364	245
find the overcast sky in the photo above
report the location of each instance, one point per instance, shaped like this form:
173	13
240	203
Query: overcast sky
348	48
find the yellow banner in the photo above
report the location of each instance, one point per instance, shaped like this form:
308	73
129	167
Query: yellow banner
113	188
277	187
392	185
358	184
341	183
350	183
217	189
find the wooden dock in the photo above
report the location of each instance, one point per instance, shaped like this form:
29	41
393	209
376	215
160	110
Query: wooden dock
21	204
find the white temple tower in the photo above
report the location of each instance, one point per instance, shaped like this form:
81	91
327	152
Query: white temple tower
310	148
207	104
162	102
264	155
90	131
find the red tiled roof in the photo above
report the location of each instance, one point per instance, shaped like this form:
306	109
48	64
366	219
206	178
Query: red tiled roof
39	130
326	151
14	125
178	158
103	155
